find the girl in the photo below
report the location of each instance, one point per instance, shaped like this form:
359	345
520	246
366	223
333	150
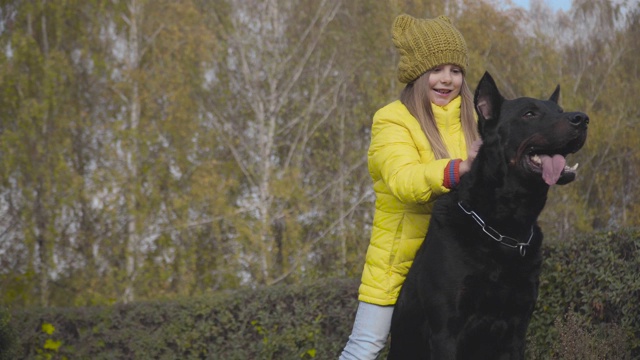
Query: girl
420	146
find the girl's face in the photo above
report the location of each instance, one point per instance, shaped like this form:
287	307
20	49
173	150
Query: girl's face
445	82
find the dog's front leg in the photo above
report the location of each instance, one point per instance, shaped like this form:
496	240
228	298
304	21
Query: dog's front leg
443	346
443	341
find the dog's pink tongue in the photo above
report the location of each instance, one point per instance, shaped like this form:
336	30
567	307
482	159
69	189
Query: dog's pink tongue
552	167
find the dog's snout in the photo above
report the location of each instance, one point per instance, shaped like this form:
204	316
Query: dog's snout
579	119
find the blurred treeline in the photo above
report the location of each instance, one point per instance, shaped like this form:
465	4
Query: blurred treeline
162	148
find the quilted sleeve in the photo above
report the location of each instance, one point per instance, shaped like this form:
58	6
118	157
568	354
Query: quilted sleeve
411	174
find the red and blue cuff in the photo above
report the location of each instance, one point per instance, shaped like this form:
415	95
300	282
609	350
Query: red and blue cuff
452	173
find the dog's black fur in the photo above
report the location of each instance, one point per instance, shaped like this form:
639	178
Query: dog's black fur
467	295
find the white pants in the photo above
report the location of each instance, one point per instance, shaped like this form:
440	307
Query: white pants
370	331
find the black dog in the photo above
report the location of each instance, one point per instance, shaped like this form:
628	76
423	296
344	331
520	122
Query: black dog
474	282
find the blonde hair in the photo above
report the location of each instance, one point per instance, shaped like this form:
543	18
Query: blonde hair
415	97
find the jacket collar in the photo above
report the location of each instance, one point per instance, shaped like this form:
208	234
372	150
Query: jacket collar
449	114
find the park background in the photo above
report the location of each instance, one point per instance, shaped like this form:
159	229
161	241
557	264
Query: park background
167	150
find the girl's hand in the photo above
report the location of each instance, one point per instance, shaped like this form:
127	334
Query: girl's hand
465	165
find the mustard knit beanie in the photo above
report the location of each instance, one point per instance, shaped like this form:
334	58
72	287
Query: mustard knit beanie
426	43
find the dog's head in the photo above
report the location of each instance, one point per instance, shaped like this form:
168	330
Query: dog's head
534	135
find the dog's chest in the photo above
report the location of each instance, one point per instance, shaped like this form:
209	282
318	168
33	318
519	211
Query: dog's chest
499	289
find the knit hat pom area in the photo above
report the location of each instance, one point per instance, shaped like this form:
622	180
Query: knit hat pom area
426	43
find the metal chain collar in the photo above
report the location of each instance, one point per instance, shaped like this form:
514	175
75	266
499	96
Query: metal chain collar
495	235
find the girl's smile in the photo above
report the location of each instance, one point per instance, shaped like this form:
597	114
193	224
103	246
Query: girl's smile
445	82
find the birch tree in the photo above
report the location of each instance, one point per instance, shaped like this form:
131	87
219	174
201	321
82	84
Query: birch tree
282	90
156	50
37	114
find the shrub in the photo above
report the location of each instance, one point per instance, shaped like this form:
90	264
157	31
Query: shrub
587	308
8	338
596	277
279	322
578	340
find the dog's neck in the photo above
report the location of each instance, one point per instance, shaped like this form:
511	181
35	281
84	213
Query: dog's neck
501	197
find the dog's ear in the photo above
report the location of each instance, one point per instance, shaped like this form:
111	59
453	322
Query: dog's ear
487	101
556	95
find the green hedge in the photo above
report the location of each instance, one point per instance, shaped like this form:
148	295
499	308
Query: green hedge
8	338
280	322
595	281
589	304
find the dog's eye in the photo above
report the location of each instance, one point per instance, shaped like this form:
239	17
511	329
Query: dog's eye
528	114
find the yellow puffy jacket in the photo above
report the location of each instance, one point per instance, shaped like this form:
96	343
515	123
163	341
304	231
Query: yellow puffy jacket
406	179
